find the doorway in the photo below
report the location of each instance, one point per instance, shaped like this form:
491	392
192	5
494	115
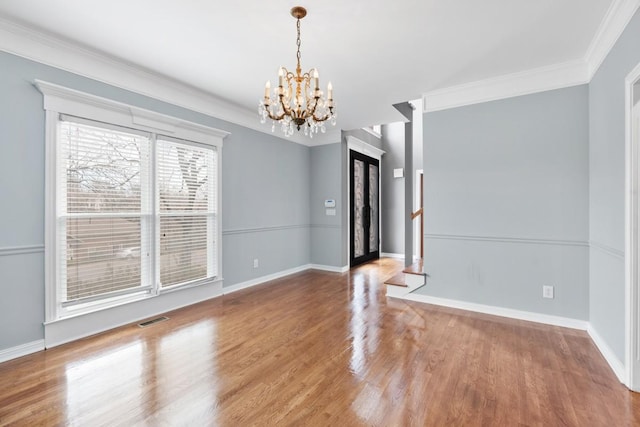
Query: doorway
364	208
632	230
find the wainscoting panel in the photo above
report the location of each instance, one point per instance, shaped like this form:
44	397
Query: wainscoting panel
509	272
277	248
22	304
327	245
606	291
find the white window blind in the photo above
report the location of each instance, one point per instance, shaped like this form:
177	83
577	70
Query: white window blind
187	200
110	221
102	210
131	216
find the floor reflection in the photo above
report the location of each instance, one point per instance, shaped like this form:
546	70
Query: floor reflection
168	381
363	321
187	394
93	381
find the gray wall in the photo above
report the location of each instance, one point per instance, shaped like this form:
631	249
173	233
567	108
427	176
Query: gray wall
265	205
606	188
326	183
392	209
506	199
265	194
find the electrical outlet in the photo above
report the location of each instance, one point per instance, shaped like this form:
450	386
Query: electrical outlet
256	263
547	291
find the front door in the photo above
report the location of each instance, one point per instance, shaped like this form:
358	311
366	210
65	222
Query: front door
364	206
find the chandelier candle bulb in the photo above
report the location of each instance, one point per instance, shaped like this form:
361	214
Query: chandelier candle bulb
330	91
298	101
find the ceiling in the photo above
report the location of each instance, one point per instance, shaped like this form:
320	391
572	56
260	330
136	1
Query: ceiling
375	52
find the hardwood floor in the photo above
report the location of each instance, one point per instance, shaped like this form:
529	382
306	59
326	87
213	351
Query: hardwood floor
320	348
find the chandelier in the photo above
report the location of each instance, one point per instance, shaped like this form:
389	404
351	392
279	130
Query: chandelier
306	106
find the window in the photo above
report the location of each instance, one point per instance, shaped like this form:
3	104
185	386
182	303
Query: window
101	211
133	201
187	213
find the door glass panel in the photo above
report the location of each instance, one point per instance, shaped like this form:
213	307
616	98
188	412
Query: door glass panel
358	205
373	203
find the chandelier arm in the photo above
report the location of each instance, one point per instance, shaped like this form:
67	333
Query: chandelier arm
289	75
286	110
316	98
275	118
311	108
321	119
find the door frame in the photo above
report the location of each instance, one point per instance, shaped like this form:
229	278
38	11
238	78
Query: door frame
369	253
362	147
632	234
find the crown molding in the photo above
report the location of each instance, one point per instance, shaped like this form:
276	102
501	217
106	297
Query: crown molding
541	79
615	21
557	76
48	49
372	132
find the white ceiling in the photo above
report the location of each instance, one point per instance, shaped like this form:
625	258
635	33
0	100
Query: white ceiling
375	52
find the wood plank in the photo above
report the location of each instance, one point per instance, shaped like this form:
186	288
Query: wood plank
396	280
319	348
415	268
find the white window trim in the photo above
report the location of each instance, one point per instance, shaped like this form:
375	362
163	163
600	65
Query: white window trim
61	100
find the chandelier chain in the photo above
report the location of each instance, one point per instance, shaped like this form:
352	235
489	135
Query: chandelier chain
298	42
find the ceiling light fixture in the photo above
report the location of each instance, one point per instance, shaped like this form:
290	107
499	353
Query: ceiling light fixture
305	108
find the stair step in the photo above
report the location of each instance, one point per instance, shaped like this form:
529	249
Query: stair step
411	278
397	280
415	268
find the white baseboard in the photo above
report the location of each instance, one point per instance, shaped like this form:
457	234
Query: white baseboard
331	268
391	255
500	311
279	274
616	365
612	360
21	350
263	279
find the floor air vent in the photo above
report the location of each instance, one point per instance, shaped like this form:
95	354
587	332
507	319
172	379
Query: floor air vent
152	321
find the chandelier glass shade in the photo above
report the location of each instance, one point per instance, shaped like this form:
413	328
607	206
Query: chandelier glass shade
297	102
